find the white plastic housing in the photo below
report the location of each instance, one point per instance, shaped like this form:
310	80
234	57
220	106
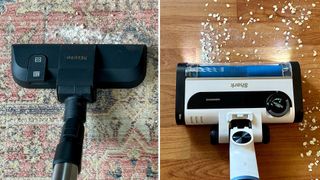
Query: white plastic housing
211	116
243	162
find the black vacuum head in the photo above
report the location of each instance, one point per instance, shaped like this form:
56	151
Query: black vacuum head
113	66
78	69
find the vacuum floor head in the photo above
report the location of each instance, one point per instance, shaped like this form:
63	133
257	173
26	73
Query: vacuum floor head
236	100
204	91
112	66
76	71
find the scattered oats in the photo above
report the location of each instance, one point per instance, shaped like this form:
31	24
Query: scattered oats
283	20
215	0
251	13
301	154
314	53
261	8
318	153
309	12
313	5
210	14
206	5
299	41
243	35
309	91
304	143
240	17
271	16
211	28
310	166
225	20
256	33
227	5
308	27
238	54
313	128
309	153
246	55
309	71
275	7
312	142
255	51
253	42
277	28
228	53
227	58
303	100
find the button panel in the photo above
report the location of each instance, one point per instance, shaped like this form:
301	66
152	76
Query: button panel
37	68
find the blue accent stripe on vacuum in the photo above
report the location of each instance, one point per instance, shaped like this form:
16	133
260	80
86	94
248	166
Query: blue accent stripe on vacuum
236	71
245	178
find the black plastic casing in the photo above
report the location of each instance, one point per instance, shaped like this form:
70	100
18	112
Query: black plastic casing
115	66
76	71
70	145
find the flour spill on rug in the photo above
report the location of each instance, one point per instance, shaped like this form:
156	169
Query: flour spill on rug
121	138
280	41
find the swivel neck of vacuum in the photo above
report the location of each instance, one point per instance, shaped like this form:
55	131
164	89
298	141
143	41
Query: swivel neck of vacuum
67	160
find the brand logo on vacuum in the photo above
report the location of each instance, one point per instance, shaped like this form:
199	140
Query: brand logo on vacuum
239	85
77	58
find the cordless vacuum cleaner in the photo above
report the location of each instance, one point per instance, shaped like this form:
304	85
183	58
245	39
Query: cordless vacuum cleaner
76	71
237	100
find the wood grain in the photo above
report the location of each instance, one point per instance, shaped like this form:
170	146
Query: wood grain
186	152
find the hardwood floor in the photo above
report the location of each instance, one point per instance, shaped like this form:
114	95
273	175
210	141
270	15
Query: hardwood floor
186	152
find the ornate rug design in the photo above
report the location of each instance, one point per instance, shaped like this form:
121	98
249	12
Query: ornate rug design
121	138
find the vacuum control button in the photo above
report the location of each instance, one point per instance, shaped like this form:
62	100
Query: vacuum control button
278	104
37	68
241	137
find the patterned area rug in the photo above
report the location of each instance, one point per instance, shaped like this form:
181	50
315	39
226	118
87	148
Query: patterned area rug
121	138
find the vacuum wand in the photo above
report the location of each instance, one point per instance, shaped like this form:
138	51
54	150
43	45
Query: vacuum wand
67	160
243	162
